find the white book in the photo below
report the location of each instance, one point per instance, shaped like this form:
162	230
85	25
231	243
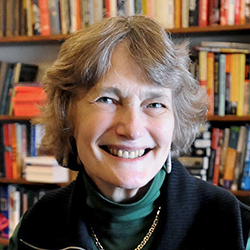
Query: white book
97	10
46	174
130	7
40	160
164	13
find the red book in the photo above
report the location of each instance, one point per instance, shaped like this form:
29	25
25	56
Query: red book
203	13
7	130
224	12
237	12
210	82
44	17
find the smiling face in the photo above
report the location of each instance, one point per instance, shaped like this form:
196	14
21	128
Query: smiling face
124	128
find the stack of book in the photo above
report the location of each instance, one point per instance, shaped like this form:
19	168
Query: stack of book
27	98
11	75
223	71
44	169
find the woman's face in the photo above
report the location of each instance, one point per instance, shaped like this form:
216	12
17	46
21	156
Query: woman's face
124	127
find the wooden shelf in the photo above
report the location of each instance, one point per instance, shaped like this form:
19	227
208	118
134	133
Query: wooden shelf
4	242
216	29
228	118
14	118
241	193
24	182
25	39
209	29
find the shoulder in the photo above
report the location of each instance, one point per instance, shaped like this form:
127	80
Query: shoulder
210	203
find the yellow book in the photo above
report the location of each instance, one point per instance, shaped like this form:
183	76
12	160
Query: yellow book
144	7
241	84
203	69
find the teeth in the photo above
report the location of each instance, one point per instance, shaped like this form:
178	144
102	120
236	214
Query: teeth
127	154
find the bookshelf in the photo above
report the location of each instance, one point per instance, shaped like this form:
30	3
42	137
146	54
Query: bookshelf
50	46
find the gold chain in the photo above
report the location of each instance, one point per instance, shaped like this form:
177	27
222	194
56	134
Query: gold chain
143	242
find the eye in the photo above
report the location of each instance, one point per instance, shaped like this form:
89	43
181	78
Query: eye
105	99
155	105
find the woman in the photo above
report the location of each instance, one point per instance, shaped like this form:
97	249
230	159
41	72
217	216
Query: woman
121	102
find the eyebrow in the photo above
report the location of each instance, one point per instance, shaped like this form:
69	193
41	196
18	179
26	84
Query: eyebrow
149	94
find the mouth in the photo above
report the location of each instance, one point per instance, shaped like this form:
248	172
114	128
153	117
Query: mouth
126	154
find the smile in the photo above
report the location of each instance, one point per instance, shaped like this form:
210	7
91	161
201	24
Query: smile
126	154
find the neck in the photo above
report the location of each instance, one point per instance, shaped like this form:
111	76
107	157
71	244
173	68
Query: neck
121	195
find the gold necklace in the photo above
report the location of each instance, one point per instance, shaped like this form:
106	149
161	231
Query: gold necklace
143	242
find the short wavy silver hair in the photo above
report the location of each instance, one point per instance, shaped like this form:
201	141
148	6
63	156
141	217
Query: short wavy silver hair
85	57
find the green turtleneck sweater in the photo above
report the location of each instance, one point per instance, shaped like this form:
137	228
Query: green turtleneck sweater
123	226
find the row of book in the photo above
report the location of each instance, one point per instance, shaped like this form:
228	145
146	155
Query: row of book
221	156
14	201
223	71
12	75
17	141
50	17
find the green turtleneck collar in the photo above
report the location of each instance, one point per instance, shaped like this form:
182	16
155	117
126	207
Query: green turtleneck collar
123	226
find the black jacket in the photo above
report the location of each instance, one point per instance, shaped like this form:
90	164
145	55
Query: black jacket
195	215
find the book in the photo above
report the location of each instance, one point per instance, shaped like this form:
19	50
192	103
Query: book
29	17
7	129
224	152
228	68
241	150
216	84
37	19
111	8
164	13
54	17
241	84
2	18
191	162
2	164
64	15
129	9
234	93
231	155
177	14
244	181
222	84
214	12
224	5
203	69
235	45
46	174
231	12
40	160
242	11
217	161
214	144
4	212
17	17
237	8
203	13
193	12
210	82
44	17
185	14
5	97
9	18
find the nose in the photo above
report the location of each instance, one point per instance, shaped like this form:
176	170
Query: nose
130	123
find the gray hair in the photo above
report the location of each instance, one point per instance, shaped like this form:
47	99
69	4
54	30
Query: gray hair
85	57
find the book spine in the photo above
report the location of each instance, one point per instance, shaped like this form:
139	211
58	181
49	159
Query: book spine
203	69
241	84
44	17
210	82
193	12
222	84
203	13
177	14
